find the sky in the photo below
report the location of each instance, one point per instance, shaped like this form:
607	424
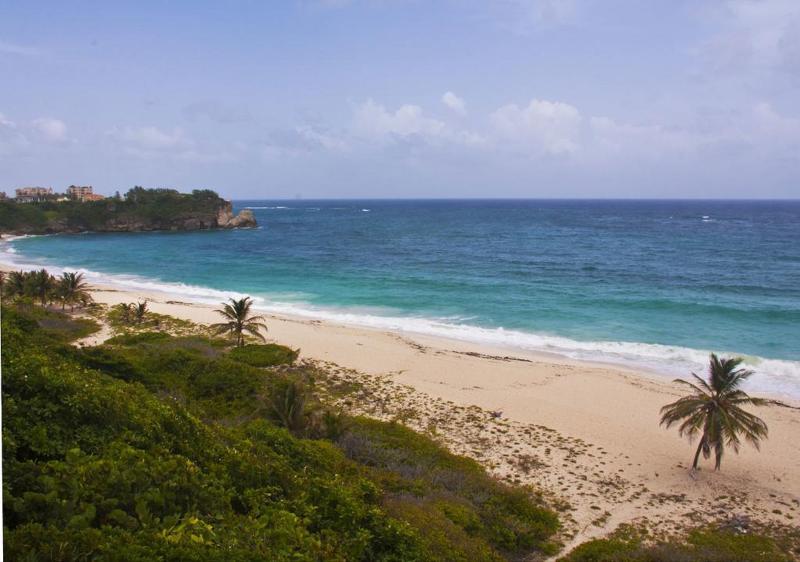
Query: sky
404	98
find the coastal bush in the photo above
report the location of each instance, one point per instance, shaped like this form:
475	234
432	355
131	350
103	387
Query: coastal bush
411	465
266	355
702	545
108	468
102	462
192	368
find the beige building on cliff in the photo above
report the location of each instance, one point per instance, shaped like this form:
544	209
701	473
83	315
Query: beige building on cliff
33	194
83	193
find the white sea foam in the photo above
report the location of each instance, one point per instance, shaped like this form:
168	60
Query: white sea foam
273	208
772	375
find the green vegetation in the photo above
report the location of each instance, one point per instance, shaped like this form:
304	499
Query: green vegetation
266	355
130	313
72	290
714	412
702	545
174	445
136	317
140	209
162	447
240	320
41	287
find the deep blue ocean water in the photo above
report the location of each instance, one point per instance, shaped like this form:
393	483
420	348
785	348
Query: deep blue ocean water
650	283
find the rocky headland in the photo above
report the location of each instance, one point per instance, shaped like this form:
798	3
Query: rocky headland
139	211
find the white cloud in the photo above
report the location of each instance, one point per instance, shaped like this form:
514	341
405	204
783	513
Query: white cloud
757	34
152	138
770	124
612	137
21	50
11	138
320	138
454	102
409	124
217	111
548	11
545	126
51	130
303	139
374	120
150	142
5	122
524	16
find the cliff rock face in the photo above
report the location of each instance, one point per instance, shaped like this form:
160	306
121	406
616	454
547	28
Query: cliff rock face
226	218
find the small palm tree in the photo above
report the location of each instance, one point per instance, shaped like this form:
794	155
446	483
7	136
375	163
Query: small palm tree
239	320
126	312
73	289
41	285
15	284
288	401
714	411
139	311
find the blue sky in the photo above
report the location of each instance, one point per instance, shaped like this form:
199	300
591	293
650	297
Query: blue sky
404	98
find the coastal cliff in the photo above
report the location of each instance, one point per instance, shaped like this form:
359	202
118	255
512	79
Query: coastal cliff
226	218
140	210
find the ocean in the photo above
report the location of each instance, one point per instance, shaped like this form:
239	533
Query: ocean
655	285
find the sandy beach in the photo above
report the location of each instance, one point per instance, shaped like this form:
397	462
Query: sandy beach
585	435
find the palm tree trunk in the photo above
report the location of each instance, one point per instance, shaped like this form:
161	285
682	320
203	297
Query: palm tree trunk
697	454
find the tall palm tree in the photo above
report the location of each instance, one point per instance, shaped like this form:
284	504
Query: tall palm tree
41	284
714	411
73	289
238	320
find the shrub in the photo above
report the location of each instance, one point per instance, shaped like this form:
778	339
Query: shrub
266	355
702	545
411	465
102	463
99	468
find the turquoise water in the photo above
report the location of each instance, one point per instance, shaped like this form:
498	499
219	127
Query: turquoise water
655	284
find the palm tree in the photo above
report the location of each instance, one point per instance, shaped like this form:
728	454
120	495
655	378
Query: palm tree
239	320
41	285
714	411
140	311
15	284
125	311
288	402
73	289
